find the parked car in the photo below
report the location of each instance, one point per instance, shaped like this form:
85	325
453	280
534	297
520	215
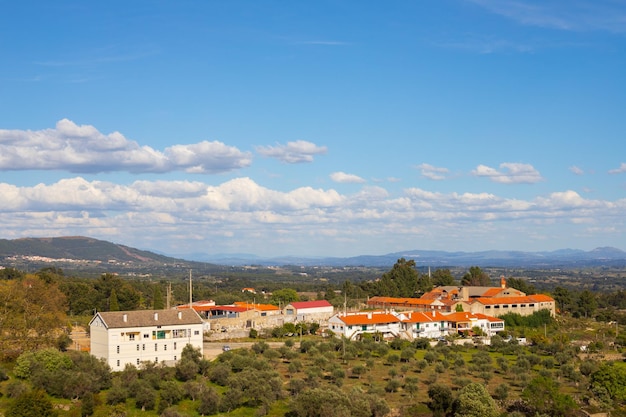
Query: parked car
225	348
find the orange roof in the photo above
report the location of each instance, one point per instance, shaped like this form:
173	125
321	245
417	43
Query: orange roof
397	301
369	318
541	298
463	317
421	317
537	298
492	292
260	307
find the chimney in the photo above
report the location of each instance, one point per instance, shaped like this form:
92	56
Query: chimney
369	316
180	315
125	318
433	313
156	316
502	282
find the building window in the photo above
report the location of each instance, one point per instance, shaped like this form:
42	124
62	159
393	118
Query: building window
174	357
156	347
138	362
156	360
174	345
137	348
196	332
118	362
131	337
143	347
118	349
164	347
146	336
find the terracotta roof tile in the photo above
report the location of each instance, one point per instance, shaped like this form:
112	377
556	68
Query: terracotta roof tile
145	318
369	318
310	304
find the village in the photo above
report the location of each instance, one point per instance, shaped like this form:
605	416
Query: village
447	313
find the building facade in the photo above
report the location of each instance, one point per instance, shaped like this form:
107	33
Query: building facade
308	311
133	337
354	325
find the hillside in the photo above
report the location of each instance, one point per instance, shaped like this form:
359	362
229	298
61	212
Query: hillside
78	248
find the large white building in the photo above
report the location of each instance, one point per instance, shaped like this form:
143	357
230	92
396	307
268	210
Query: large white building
133	337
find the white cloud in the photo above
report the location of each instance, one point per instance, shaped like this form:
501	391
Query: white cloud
433	173
620	170
576	170
293	152
241	215
342	177
509	173
83	149
580	15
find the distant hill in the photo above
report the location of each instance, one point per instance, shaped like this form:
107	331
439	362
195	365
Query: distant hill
78	248
566	258
91	251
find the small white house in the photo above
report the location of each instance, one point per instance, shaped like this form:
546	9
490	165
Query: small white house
353	325
318	310
133	337
464	323
431	324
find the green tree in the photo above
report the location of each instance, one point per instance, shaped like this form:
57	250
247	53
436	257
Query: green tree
34	403
543	395
114	304
400	281
322	402
442	278
474	401
284	296
476	277
157	298
32	313
608	377
587	303
563	298
522	285
440	398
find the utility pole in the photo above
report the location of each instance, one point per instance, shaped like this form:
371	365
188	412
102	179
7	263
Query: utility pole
190	291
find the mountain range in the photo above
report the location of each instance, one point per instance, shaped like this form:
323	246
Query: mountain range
79	248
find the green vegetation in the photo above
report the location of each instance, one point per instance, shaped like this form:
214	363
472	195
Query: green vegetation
305	375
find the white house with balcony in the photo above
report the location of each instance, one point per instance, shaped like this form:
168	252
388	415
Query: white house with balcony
431	325
133	337
353	325
464	323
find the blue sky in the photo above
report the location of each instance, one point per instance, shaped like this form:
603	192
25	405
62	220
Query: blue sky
326	128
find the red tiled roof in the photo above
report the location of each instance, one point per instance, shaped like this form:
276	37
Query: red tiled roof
260	307
369	318
492	292
536	298
422	317
398	301
310	304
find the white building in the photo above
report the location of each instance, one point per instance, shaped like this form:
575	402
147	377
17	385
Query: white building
299	311
353	325
463	323
430	324
133	337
